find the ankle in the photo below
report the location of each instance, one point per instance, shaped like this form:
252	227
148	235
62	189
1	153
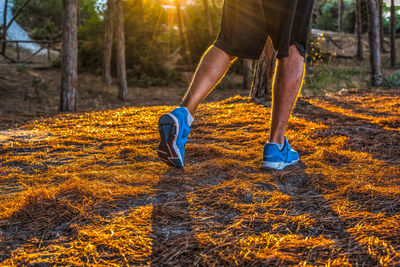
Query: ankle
190	108
190	117
277	139
279	146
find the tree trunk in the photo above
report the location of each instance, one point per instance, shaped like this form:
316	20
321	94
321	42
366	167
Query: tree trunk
375	53
261	90
184	41
208	18
108	40
247	68
340	15
4	36
360	52
5	14
120	44
141	8
381	36
214	6
180	24
393	55
69	66
317	13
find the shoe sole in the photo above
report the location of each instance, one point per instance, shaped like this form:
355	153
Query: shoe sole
277	165
168	150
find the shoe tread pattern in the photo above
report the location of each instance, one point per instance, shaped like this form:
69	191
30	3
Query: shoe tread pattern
168	132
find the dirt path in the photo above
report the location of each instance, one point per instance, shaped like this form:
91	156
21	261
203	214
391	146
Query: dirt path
92	190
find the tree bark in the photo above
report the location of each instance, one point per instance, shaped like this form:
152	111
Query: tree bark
374	44
184	41
317	13
247	68
340	15
360	52
381	36
180	24
4	36
69	66
120	44
5	14
393	50
261	90
108	41
141	8
208	18
214	6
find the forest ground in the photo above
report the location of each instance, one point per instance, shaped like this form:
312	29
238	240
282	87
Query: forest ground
88	189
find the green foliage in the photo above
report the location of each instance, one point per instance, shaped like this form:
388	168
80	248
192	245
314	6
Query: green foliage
90	50
386	19
22	68
43	17
328	15
197	31
48	31
40	90
39	85
56	62
150	35
38	12
145	40
319	78
392	80
328	20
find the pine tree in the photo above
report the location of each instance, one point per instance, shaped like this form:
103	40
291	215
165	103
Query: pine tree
108	40
360	52
261	90
381	36
4	29
374	44
208	18
69	66
393	50
340	15
120	44
247	68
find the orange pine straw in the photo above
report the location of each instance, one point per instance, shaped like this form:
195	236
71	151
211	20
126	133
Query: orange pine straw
88	189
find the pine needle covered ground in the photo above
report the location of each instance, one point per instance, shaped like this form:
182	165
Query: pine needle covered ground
88	189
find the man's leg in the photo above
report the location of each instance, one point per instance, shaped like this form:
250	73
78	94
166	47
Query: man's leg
277	152
212	68
174	127
288	81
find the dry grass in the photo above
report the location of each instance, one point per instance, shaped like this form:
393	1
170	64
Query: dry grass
94	193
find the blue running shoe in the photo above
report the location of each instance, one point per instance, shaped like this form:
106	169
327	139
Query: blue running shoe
275	159
174	130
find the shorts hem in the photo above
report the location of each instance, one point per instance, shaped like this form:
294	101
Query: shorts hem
280	53
227	49
285	53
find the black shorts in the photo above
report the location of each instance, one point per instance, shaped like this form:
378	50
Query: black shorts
246	25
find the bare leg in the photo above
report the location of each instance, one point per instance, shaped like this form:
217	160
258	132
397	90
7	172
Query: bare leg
211	70
288	81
